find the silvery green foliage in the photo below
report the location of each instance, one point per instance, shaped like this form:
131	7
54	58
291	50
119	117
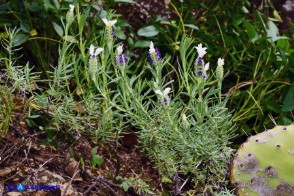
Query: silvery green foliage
22	77
225	192
186	130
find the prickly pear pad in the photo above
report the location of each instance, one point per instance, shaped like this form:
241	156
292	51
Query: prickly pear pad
264	165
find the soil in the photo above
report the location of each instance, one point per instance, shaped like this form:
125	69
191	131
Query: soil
25	159
141	13
30	157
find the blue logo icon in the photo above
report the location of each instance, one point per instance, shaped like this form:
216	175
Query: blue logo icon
10	187
20	187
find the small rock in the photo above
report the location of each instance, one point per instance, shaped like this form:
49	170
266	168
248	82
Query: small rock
69	190
71	168
42	146
6	171
14	194
16	179
40	193
43	179
54	177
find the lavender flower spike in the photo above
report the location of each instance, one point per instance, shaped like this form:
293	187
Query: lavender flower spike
70	15
120	57
154	55
165	99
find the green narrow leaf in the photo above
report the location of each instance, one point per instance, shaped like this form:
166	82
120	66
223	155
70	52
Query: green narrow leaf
70	39
277	16
273	106
283	56
25	27
83	20
272	31
244	9
191	26
20	39
252	34
47	5
284	44
120	34
82	162
56	4
148	31
286	121
288	104
58	29
130	41
141	44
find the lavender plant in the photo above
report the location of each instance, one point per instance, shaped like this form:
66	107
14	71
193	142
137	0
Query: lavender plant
186	129
89	112
22	79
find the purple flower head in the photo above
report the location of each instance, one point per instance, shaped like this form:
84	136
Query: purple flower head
165	101
199	60
158	54
153	54
201	71
120	57
150	58
113	32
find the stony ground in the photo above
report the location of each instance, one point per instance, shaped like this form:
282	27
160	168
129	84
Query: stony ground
25	159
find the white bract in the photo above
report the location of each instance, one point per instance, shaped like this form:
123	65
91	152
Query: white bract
109	23
94	54
119	49
164	93
151	48
201	51
206	67
220	62
71	7
184	117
